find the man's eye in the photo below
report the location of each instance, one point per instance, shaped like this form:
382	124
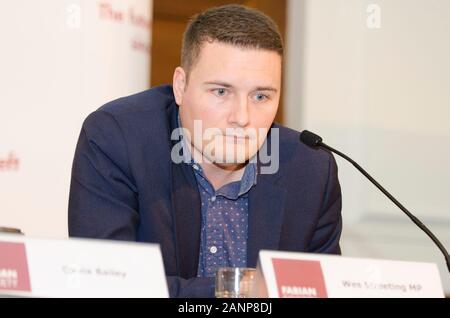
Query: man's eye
260	97
220	91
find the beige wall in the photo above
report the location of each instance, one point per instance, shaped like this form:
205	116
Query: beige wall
60	60
382	95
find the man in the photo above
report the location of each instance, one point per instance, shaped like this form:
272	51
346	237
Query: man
204	192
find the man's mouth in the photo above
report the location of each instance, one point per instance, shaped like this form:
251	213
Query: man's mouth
235	138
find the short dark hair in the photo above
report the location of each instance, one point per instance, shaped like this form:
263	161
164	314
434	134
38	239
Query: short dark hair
232	24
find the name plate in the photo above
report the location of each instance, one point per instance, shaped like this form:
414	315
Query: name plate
301	275
80	268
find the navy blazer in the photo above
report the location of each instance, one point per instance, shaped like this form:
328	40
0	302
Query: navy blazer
125	186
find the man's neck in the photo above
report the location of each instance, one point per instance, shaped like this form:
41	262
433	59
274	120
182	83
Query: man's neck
218	174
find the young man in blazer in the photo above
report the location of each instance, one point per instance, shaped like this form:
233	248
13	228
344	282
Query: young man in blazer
200	168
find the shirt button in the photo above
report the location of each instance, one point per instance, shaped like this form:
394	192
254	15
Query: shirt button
213	249
213	198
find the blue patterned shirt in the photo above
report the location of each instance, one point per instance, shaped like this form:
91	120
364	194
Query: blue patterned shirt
224	213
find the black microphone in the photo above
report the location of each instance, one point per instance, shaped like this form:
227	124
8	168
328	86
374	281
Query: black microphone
314	141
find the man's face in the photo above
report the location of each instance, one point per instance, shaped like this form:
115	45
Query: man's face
234	93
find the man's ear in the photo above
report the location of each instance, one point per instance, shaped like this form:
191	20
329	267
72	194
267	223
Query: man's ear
179	84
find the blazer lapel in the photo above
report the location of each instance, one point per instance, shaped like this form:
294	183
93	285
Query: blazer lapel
266	208
186	211
187	215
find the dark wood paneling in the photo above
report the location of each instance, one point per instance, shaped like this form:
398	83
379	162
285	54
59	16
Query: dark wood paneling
184	9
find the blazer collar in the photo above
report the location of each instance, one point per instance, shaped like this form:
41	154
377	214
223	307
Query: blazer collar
265	219
186	207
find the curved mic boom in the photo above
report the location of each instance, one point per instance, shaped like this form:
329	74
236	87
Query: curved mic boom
314	141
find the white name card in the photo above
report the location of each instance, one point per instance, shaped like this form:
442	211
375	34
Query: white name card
300	275
80	268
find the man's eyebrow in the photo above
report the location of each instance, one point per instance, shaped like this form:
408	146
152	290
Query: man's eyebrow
266	88
219	83
227	85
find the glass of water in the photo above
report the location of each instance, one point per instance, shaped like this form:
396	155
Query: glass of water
234	282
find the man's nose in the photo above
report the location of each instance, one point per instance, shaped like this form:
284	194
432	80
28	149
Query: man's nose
239	115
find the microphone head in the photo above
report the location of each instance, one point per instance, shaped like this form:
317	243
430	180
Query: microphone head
310	139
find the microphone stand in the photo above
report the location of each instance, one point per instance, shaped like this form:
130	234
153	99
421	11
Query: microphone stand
314	140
